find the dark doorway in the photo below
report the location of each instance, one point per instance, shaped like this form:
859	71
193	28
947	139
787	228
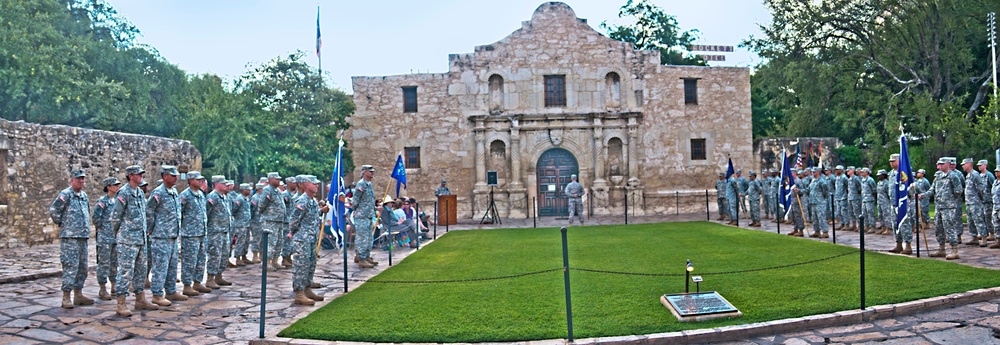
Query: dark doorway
553	174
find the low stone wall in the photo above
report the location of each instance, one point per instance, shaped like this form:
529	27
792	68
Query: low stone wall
37	160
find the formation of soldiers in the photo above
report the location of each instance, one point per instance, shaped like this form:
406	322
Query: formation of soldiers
196	231
841	197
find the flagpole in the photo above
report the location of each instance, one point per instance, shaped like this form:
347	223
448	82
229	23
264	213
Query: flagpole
319	44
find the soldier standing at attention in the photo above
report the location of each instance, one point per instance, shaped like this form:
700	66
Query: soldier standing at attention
923	185
733	197
193	230
443	189
818	193
754	189
163	216
946	190
219	224
766	192
868	201
798	213
71	212
841	208
995	196
883	203
272	212
775	194
574	191
743	184
363	201
241	224
106	256
853	198
720	196
255	222
304	224
987	179
288	196
129	221
974	204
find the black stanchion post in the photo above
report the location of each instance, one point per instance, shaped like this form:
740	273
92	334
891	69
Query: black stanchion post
833	218
708	210
345	260
416	227
677	202
436	220
737	213
447	216
777	219
862	249
534	212
626	207
569	305
263	282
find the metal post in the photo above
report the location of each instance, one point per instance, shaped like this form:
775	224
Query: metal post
447	216
436	220
345	259
862	250
569	305
737	220
677	202
263	283
687	280
626	206
777	219
708	210
534	213
416	225
833	217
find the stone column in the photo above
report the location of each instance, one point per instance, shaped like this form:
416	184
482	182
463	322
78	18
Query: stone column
633	148
480	157
518	194
600	186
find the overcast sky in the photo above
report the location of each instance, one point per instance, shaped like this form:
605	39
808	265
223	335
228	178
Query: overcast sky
389	37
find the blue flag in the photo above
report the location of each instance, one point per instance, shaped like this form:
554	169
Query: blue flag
730	171
903	181
319	38
787	182
333	198
399	173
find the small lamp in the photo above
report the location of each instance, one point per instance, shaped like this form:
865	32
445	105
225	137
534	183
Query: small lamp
687	276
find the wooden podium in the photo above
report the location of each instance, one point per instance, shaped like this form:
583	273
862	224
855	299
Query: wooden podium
448	209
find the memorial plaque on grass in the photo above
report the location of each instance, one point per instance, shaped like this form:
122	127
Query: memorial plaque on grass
699	306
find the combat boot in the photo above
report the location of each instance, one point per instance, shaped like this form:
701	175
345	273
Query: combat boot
991	237
982	241
121	309
142	304
201	288
954	253
301	299
871	230
210	282
311	295
80	299
188	291
995	245
973	241
800	233
907	250
160	301
815	234
256	258
372	261
939	253
792	233
898	249
103	294
240	262
357	259
66	301
825	235
230	264
315	285
176	296
365	264
286	261
274	264
222	281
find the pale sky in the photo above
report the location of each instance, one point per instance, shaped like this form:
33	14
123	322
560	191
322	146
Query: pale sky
388	37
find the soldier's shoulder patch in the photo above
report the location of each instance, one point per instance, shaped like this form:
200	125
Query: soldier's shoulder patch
211	201
62	197
156	197
300	206
100	204
121	199
269	197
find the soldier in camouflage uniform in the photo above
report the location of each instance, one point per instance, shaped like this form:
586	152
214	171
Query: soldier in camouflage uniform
987	179
922	185
220	223
363	202
995	196
733	197
775	195
869	195
443	189
129	221
574	192
288	196
946	190
304	225
256	224
193	230
974	188
272	213
797	204
241	224
106	257
720	196
754	189
883	203
853	198
163	216
841	208
767	193
905	231
818	194
71	212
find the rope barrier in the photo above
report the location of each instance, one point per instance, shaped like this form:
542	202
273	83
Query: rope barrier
466	280
714	273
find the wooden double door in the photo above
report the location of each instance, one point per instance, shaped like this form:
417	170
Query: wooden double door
553	174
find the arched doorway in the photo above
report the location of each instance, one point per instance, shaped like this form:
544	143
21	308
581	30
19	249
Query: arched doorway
553	174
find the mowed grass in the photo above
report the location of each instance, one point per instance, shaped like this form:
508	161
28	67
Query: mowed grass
533	307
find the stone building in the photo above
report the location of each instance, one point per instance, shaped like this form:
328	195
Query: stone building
37	160
556	98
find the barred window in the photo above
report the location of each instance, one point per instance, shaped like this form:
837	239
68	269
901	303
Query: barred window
555	91
698	149
690	91
412	157
409	99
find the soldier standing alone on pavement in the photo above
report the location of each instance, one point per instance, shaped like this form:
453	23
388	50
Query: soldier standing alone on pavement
363	201
574	191
163	216
71	212
304	224
193	230
106	257
129	221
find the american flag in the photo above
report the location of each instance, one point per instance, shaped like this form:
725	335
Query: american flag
319	40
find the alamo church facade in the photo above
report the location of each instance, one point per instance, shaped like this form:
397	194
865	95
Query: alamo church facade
556	98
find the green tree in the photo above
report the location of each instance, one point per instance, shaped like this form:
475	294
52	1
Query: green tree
224	126
655	30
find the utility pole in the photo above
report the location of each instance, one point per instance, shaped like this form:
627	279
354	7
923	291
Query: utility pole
991	19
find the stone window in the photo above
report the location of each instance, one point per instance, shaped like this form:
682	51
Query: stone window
691	91
613	83
638	97
412	157
555	91
409	99
496	94
698	149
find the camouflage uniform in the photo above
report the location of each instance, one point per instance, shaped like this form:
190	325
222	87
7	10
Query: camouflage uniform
754	190
868	198
803	184
286	242
892	189
733	197
988	179
163	215
220	223
922	186
767	194
946	190
853	198
255	223
775	195
107	258
129	221
884	203
798	214
241	224
304	225
842	209
574	191
193	226
819	193
70	211
995	196
363	201
720	196
905	231
974	204
743	184
272	213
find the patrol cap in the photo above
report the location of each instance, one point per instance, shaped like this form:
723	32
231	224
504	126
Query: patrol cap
367	167
77	173
143	183
816	169
262	180
311	179
290	179
218	179
866	170
261	185
753	173
739	171
882	172
134	170
921	171
443	181
168	169
572	176
800	172
195	175
230	182
271	175
826	168
997	169
983	162
894	157
967	160
722	174
952	160
849	168
942	160
244	186
839	167
110	181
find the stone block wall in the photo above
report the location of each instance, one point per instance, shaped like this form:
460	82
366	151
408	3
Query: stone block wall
37	160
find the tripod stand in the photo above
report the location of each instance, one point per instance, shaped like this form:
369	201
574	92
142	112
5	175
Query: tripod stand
491	211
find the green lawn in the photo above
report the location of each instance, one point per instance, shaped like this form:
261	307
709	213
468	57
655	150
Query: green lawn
533	307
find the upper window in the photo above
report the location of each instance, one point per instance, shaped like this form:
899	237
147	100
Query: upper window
412	155
409	99
690	91
555	91
697	149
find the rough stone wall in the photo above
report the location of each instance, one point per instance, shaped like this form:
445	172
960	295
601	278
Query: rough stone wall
625	120
37	160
